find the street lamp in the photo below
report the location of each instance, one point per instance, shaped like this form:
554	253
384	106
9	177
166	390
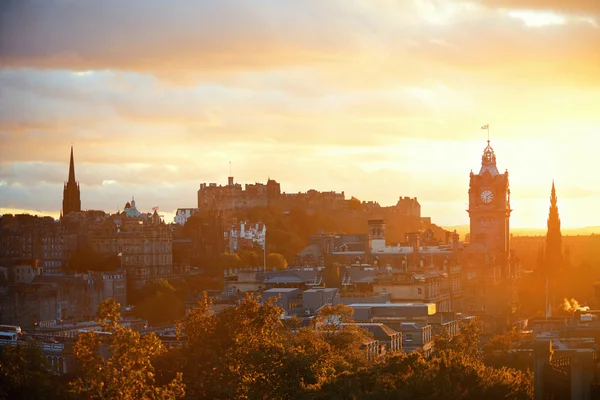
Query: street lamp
35	324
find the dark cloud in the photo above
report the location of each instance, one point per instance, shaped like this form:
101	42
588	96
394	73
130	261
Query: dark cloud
153	35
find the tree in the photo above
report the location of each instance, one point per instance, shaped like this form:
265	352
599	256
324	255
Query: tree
447	376
354	204
497	350
335	323
26	374
119	365
228	261
467	342
277	261
248	352
233	354
250	258
86	259
160	303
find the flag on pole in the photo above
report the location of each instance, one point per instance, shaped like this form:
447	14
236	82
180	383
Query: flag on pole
486	126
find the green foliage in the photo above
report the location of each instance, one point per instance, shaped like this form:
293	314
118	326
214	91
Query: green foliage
118	366
87	259
247	352
26	374
496	351
161	303
277	261
228	261
449	375
250	257
468	342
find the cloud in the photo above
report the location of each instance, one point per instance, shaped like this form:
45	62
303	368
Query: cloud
344	44
591	7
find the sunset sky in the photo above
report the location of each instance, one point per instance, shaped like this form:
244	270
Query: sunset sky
377	98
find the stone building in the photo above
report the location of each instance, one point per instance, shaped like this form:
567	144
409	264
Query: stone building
143	243
489	266
27	237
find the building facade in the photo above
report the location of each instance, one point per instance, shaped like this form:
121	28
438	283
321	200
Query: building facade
143	244
27	237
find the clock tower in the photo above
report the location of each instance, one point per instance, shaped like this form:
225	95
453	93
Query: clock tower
489	206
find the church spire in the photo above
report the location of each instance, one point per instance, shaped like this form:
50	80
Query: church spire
71	168
71	195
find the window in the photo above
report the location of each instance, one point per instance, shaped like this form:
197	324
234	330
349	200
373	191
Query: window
471	307
483	307
383	290
419	291
408	337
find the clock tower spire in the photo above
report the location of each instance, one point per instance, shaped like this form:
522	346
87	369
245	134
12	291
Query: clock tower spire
489	206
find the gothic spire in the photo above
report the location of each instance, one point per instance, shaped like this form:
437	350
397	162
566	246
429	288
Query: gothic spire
554	251
553	218
71	194
71	168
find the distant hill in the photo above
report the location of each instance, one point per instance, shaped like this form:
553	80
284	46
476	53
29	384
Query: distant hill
589	230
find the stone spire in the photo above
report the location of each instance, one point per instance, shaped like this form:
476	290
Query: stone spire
71	194
554	253
71	168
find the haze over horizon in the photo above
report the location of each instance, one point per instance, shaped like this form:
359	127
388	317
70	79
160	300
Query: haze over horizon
377	98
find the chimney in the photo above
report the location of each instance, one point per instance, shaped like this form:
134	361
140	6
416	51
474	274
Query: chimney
230	181
414	241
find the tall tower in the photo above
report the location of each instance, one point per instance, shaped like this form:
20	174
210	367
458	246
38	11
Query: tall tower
554	251
489	206
71	194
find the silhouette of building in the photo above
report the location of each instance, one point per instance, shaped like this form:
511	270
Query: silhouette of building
553	257
551	266
71	195
490	268
28	237
233	197
142	241
489	205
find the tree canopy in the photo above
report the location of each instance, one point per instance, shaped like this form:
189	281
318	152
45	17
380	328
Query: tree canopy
119	365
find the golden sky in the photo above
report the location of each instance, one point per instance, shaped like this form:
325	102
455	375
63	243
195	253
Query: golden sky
378	98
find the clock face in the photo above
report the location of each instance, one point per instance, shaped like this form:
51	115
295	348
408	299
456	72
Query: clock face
487	196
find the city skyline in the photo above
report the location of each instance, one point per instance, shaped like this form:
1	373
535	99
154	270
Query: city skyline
377	99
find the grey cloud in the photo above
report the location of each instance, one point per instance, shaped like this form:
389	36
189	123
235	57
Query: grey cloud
153	35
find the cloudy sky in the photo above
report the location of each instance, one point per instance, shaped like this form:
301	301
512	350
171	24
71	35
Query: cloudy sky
378	98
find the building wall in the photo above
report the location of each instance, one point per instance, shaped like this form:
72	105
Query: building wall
146	247
31	237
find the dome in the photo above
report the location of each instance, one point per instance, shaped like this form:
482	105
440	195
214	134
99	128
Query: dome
127	205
